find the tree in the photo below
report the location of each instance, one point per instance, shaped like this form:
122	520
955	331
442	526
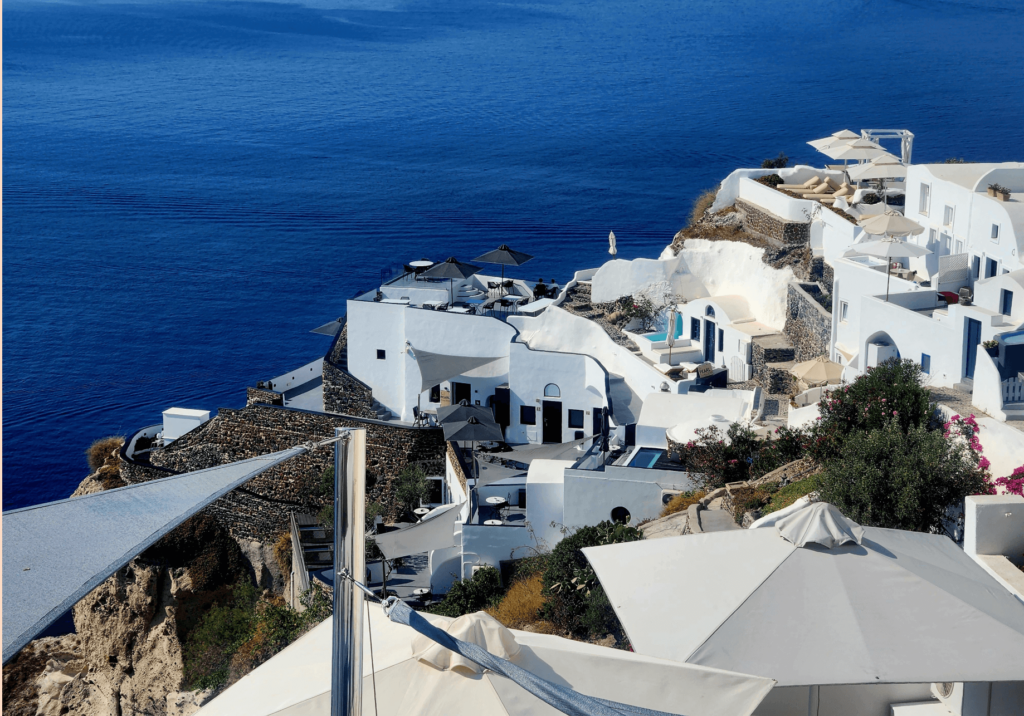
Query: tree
471	595
412	488
890	392
576	602
905	478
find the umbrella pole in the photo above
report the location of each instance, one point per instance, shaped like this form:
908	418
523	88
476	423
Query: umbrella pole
501	286
888	273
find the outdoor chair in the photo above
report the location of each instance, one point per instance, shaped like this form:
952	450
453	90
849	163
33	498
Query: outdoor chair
965	296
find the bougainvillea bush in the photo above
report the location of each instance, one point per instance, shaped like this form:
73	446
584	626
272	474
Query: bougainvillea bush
1014	484
715	458
892	392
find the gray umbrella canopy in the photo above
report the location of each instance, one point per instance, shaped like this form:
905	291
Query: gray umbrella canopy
450	414
505	256
451	268
474	429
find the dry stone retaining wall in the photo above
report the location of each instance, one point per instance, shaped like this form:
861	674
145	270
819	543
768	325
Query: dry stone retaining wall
808	325
262	395
759	222
771	358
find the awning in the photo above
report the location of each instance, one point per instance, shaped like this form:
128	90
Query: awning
56	553
436	531
848	353
435	368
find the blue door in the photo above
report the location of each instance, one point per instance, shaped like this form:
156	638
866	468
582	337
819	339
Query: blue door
973	332
709	341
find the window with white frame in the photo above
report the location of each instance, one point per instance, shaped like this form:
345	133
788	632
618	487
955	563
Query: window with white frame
945	247
995	232
947	216
959	246
926	191
844	308
931	237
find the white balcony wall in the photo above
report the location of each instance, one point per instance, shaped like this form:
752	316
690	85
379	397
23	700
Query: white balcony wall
782	205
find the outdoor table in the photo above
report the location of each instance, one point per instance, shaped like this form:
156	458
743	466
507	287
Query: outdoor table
421	264
421	511
493	523
458	309
421	593
498	503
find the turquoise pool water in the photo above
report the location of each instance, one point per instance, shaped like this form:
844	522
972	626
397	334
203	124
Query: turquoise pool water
1014	339
646	457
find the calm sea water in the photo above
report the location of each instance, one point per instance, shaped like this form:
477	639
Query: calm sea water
190	187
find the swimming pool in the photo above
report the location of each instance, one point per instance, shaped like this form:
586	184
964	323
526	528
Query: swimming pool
658	337
646	457
1014	339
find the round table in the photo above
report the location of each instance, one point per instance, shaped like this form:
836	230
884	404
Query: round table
421	592
495	501
421	511
493	523
421	264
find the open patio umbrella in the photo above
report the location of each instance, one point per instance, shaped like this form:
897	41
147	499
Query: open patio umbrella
859	149
475	429
885	166
843	136
451	269
409	675
506	257
816	599
463	411
818	370
891	224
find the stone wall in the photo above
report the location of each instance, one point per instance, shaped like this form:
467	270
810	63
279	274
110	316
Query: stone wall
455	456
771	358
759	222
262	395
808	324
259	510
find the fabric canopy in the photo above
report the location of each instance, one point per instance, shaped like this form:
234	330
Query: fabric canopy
451	268
891	223
817	370
900	607
843	136
886	166
473	430
435	531
857	149
462	412
56	553
435	368
410	676
505	256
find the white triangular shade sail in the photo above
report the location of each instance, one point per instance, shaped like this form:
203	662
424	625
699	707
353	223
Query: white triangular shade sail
297	681
437	531
901	607
55	554
435	368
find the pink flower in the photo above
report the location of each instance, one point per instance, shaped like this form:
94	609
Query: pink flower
895	412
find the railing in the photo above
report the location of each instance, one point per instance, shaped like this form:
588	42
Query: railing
1013	390
954	269
300	577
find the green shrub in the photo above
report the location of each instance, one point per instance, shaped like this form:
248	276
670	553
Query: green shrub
745	499
412	488
714	458
786	496
892	391
779	162
576	602
471	595
902	478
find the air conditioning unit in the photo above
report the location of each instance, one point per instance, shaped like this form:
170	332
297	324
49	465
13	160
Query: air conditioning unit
667	495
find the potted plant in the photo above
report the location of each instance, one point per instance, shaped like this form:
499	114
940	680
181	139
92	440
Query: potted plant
992	348
999	192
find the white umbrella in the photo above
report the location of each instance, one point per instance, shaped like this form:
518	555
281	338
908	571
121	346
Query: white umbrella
859	149
843	136
670	333
818	370
611	243
891	224
886	166
412	676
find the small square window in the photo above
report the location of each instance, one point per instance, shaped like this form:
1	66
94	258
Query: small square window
995	232
575	418
1006	302
844	310
991	268
527	415
381	354
435	394
926	363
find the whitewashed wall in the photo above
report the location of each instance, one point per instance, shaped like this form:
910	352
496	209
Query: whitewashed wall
729	189
591	496
545	501
658	279
490	545
782	205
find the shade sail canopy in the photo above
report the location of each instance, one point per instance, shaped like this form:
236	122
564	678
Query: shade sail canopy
891	223
474	429
900	607
416	678
886	166
817	370
435	368
857	149
505	256
451	268
436	531
56	553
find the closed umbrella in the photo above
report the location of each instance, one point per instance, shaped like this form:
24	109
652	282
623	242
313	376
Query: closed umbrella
504	256
451	269
611	243
818	370
408	675
670	333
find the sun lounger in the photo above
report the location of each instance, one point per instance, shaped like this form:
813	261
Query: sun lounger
809	184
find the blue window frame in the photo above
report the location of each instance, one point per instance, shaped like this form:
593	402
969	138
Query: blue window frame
721	340
709	312
695	329
976	267
990	268
1006	302
926	363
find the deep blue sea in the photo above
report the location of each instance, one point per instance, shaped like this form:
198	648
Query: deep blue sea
190	187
